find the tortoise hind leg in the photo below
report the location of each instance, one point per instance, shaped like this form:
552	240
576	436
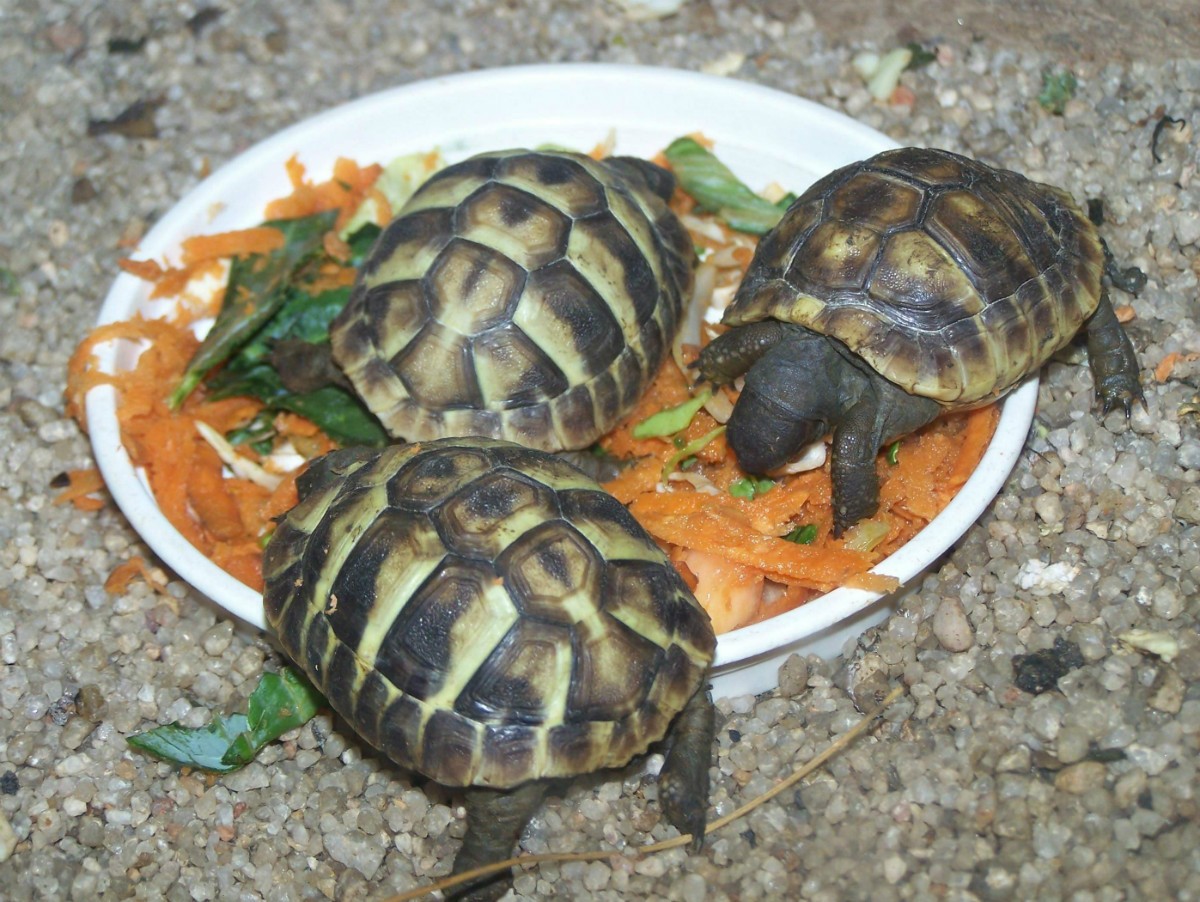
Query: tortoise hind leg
495	820
683	781
1113	360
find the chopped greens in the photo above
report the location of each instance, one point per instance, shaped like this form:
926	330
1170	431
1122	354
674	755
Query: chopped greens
689	450
267	302
750	487
717	190
673	419
921	56
258	286
1057	89
280	702
802	535
893	453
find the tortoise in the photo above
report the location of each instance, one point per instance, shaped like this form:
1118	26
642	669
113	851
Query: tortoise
487	616
523	295
901	286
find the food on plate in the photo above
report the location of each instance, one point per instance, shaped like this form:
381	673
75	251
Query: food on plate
220	437
488	616
897	288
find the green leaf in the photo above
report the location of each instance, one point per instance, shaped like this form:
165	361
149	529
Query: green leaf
362	241
787	200
717	190
203	748
280	703
921	56
339	414
802	535
257	288
893	453
673	419
1057	89
8	281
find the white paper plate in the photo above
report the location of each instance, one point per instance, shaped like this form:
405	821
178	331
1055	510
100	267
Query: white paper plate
762	134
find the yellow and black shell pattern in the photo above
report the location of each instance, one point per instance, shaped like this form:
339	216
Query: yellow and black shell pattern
483	613
523	295
950	278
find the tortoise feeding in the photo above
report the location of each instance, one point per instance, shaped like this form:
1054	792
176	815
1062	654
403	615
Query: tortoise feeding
895	288
523	295
486	615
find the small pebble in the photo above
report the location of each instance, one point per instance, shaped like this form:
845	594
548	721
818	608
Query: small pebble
1080	778
8	839
952	626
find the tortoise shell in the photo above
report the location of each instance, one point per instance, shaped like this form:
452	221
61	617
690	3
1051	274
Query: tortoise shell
524	295
483	613
950	278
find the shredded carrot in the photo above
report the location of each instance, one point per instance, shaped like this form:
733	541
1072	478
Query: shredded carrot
124	574
150	270
747	558
1167	365
239	243
343	192
81	486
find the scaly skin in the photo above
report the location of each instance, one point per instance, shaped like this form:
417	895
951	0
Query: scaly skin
683	780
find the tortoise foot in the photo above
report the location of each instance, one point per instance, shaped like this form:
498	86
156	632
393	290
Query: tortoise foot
683	781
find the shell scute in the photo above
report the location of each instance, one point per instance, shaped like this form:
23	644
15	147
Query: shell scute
569	322
554	574
513	370
613	670
524	229
472	287
524	680
876	201
495	510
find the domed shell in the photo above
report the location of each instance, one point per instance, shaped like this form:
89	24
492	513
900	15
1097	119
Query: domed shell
950	278
483	613
523	295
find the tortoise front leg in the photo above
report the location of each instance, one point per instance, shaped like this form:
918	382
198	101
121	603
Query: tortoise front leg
495	821
881	412
683	780
732	353
1113	360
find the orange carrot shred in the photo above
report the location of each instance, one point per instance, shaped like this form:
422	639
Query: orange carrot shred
150	270
125	573
238	243
82	484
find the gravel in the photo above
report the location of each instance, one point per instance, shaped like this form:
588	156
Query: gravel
969	788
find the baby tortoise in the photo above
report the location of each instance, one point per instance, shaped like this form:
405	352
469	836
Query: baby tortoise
901	286
523	295
489	617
